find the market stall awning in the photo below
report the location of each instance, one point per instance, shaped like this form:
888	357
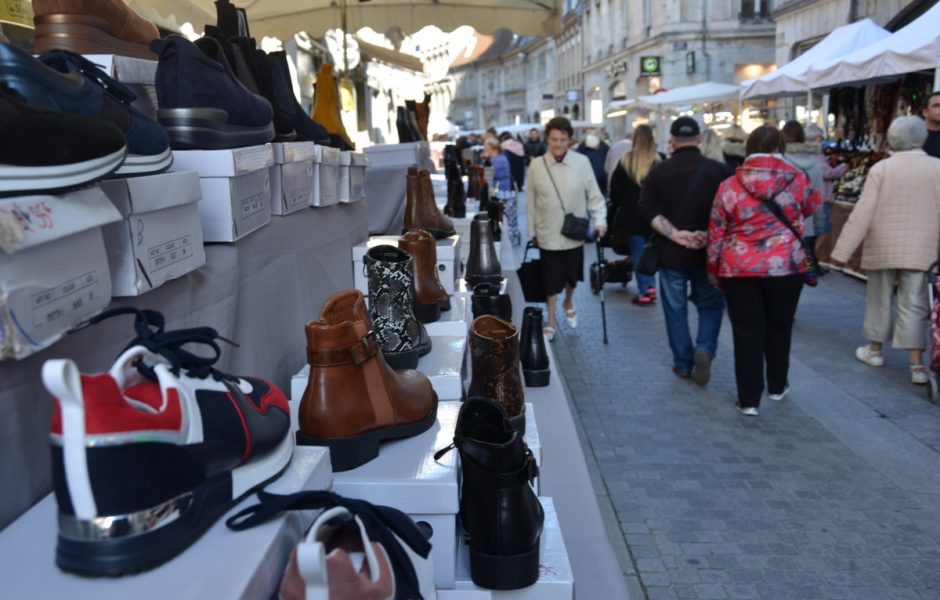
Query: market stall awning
620	107
284	18
390	57
790	78
916	47
709	91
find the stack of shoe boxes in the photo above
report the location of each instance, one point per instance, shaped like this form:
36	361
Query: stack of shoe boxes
292	177
352	176
53	269
160	235
236	189
326	163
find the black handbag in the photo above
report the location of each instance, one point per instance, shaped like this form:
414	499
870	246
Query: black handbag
574	227
649	262
530	277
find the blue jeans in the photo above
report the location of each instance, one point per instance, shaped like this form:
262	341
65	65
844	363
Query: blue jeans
643	282
674	285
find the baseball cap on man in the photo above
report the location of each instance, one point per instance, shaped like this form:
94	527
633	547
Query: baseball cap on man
684	127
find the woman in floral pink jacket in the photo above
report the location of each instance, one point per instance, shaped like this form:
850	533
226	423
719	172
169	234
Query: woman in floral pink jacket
758	263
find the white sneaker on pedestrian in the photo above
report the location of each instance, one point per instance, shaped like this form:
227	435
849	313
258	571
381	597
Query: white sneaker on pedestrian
747	411
549	333
781	395
919	375
869	356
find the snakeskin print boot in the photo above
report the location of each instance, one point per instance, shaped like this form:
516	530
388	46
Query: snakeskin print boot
402	338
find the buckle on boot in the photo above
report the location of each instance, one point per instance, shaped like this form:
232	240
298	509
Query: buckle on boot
365	349
356	354
531	468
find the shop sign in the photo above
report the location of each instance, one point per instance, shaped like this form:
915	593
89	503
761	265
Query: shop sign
649	66
690	62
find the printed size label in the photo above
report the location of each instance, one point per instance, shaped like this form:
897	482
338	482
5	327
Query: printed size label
295	197
251	205
57	302
169	253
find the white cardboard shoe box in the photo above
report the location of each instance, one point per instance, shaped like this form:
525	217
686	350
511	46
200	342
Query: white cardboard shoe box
447	267
400	155
443	365
352	176
555	582
236	189
326	163
160	237
53	268
221	564
292	177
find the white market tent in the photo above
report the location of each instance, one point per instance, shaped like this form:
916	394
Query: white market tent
284	18
790	78
709	91
916	47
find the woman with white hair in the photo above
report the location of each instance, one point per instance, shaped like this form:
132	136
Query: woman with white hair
897	222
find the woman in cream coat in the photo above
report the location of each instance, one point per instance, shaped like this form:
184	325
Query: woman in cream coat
897	222
574	191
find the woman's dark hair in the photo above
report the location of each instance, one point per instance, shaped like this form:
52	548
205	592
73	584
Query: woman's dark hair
766	139
793	133
505	136
561	124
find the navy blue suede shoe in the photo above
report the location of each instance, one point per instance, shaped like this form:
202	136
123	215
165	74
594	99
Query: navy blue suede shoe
203	105
71	84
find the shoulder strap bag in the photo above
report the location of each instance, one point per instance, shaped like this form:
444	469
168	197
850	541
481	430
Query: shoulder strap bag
811	276
574	227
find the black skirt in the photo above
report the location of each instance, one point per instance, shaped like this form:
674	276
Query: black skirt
560	267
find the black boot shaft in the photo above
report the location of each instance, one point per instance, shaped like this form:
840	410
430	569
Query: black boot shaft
482	264
487	300
532	352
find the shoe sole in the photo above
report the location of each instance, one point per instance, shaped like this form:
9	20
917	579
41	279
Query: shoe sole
208	129
139	164
439	234
536	377
702	372
58	178
83	34
354	451
501	572
203	507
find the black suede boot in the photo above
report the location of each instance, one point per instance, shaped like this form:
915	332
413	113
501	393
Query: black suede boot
498	508
532	352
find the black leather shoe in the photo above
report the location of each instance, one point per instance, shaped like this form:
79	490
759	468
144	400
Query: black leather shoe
487	300
532	352
482	264
275	82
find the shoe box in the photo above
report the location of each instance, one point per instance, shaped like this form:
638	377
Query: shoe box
138	74
292	177
236	189
201	571
401	155
444	364
352	176
160	235
54	267
555	582
326	163
448	269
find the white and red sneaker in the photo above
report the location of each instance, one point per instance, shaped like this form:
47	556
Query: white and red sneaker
147	456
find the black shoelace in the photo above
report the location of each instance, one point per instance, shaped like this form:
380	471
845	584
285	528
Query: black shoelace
91	71
381	522
149	326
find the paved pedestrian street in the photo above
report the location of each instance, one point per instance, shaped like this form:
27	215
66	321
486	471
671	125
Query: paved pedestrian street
833	492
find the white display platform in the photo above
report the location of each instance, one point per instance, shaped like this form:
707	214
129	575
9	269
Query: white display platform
444	364
454	321
556	580
406	476
221	564
395	155
448	270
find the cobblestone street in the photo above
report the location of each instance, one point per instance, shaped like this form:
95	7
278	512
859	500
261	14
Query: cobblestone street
832	493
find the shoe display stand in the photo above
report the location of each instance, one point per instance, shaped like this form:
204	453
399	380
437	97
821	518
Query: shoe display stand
444	364
220	564
292	177
236	189
556	579
448	249
457	318
160	236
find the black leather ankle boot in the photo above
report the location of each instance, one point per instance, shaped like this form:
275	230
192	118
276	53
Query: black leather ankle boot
456	200
532	353
483	263
402	338
498	508
487	300
494	208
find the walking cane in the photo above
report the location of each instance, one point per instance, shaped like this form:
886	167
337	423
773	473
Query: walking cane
600	277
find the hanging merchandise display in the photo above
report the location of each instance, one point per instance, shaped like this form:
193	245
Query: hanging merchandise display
326	107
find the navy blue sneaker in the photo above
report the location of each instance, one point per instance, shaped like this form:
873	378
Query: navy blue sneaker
203	105
63	86
51	151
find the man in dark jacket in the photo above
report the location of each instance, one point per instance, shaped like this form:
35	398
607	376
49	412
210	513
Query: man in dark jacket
534	146
677	200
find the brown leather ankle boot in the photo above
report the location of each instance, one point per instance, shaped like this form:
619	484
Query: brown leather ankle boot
430	297
353	400
92	27
421	212
494	352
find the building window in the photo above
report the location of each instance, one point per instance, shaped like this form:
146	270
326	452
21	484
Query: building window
755	9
